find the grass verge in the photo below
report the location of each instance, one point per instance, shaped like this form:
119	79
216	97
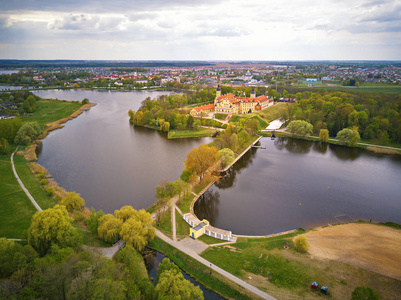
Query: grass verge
201	273
185	204
210	240
165	223
182	227
16	210
179	134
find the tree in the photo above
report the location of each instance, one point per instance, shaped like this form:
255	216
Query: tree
200	160
13	256
226	157
85	101
324	135
109	228
27	133
190	122
4	146
125	212
137	231
52	226
300	127
30	105
93	221
172	284
73	201
301	244
365	293
348	137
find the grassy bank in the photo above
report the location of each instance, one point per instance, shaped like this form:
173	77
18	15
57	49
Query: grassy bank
266	264
51	110
180	134
185	204
182	227
212	281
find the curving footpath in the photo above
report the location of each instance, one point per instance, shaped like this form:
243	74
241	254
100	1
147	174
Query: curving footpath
233	278
23	186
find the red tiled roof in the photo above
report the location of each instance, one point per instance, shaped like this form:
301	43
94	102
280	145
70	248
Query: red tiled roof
204	107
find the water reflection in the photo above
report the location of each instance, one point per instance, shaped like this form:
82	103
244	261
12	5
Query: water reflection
345	153
244	162
293	145
207	206
320	147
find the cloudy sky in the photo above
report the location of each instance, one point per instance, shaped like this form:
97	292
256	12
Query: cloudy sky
201	29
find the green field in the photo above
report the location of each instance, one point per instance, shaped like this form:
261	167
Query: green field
182	227
180	134
210	240
16	210
283	272
51	110
386	89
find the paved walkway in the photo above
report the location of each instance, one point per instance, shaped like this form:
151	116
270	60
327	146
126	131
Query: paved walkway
108	251
23	186
181	246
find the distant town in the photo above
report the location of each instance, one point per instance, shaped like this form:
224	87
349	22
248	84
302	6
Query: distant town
256	74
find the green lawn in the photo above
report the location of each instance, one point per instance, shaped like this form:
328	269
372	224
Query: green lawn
210	240
32	183
16	210
89	238
165	223
198	188
200	272
185	204
182	227
52	110
179	134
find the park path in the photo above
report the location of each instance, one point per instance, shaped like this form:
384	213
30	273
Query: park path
106	251
214	268
23	186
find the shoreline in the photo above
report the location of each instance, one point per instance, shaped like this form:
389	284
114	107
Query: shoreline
30	152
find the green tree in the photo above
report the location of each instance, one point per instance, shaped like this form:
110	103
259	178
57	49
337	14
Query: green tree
30	104
301	244
324	135
172	284
27	133
13	257
93	220
137	231
200	160
125	212
364	293
85	101
52	226
300	127
73	201
348	137
226	157
4	146
109	228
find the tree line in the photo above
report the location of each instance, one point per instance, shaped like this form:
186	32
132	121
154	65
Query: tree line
376	117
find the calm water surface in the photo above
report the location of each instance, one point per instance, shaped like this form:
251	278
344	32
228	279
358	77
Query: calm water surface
105	159
295	183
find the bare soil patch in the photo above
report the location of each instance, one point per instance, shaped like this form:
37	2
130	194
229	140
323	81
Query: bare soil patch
372	247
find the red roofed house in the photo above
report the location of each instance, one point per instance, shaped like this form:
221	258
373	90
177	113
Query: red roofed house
202	110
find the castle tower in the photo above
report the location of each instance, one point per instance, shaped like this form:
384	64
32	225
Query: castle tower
218	94
253	94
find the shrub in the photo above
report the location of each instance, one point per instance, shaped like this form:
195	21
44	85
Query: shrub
44	181
364	292
301	244
73	201
49	191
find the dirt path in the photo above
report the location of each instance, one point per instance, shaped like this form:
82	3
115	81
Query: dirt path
368	246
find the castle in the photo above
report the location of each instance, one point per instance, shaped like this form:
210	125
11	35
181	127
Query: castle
231	104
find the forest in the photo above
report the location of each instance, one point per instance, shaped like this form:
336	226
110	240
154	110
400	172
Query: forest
377	117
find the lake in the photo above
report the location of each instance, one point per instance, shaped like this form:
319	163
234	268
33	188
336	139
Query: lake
296	183
108	161
290	184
